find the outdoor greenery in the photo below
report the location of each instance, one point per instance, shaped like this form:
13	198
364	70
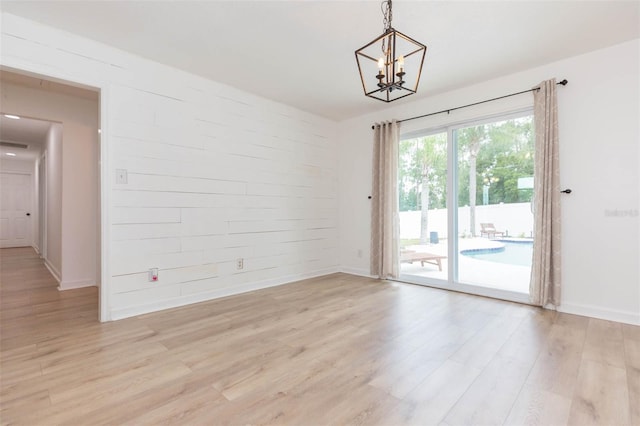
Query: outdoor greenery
492	155
423	161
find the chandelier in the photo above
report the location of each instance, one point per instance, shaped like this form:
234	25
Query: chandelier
390	65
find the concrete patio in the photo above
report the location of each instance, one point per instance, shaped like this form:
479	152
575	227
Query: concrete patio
472	271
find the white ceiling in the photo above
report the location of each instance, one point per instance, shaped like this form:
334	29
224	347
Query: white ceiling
301	53
31	131
26	131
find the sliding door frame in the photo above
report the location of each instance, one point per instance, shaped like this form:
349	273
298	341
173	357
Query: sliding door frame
452	282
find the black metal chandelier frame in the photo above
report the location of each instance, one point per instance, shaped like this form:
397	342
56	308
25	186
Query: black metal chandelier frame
391	74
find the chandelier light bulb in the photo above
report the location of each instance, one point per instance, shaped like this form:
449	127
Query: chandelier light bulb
401	62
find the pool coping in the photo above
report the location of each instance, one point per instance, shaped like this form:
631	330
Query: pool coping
497	247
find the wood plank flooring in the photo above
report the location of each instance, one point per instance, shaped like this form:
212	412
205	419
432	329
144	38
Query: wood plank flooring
333	350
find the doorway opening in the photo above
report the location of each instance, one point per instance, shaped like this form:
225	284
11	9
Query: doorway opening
64	217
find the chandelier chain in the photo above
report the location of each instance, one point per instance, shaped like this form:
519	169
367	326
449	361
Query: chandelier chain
387	14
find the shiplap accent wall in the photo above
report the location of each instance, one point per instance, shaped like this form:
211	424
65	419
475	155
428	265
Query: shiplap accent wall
214	174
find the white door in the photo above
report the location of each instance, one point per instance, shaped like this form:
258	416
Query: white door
15	213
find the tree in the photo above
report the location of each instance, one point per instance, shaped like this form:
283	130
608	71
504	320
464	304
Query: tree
422	176
431	154
469	142
408	176
506	156
495	155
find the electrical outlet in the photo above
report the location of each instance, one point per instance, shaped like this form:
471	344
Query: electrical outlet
240	263
153	274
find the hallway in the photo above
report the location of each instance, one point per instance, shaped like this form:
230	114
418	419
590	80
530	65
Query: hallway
32	313
31	307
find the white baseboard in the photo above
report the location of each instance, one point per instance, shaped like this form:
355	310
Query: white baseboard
626	317
357	271
130	311
121	313
56	274
70	285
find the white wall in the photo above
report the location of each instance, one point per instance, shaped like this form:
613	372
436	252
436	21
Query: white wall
54	182
79	174
599	136
39	182
12	165
214	174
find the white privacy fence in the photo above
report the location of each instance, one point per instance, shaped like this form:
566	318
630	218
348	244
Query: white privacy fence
516	219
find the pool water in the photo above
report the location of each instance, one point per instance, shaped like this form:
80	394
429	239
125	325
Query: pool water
519	253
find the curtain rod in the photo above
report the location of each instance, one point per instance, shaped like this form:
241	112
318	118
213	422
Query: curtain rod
563	83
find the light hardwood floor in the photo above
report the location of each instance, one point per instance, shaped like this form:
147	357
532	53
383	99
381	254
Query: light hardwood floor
333	350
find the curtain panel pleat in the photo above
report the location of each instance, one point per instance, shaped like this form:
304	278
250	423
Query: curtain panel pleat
384	202
544	288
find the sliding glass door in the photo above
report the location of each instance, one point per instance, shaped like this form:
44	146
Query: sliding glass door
483	242
424	227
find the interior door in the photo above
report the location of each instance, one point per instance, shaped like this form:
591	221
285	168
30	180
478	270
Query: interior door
15	215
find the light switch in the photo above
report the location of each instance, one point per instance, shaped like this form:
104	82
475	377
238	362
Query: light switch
121	176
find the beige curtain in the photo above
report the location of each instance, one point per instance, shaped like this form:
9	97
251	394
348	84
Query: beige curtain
384	202
544	288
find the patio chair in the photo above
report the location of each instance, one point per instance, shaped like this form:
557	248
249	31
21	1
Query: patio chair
410	256
489	230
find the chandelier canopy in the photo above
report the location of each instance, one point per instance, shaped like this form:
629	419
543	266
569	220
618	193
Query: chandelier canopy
390	66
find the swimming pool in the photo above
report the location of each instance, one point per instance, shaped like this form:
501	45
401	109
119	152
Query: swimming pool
512	253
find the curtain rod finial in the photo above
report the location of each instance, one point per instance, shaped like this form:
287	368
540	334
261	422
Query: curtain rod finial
563	82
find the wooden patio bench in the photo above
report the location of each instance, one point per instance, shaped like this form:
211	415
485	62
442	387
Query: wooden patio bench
410	256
